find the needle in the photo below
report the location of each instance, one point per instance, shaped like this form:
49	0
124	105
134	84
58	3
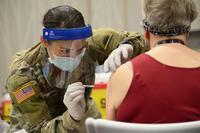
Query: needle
91	86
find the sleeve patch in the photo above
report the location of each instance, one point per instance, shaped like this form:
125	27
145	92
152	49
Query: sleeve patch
24	93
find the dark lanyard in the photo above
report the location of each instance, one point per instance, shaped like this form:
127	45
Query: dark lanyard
171	41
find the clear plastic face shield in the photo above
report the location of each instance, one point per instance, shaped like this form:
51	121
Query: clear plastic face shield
66	48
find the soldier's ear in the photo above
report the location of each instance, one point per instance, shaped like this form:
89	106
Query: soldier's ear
43	42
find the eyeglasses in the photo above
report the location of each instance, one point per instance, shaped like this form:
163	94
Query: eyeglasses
67	48
69	52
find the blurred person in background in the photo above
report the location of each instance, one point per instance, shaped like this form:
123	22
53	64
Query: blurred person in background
161	85
4	127
48	83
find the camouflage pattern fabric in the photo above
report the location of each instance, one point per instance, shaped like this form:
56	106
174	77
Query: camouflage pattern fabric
37	106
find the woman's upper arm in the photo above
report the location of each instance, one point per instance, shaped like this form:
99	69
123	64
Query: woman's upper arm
117	88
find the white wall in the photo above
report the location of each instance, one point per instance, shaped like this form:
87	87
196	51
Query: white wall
20	21
196	24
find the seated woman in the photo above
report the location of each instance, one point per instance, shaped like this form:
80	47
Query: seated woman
161	85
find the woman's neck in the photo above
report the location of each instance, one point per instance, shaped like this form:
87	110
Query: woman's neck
155	39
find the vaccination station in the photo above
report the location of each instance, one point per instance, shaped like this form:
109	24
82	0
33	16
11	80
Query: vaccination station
100	66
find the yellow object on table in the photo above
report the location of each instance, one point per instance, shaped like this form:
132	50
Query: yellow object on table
99	95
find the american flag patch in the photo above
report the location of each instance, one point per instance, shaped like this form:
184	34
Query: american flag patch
24	92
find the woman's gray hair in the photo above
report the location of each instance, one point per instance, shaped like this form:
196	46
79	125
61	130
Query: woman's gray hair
166	16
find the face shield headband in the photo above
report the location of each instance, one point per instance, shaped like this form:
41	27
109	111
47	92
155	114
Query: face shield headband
67	33
174	31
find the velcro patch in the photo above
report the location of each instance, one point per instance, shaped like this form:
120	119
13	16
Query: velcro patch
24	93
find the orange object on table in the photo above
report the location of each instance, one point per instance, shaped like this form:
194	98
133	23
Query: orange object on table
6	107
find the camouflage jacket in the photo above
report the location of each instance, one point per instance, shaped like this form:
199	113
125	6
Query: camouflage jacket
41	109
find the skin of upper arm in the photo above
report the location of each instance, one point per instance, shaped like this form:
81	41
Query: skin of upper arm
117	88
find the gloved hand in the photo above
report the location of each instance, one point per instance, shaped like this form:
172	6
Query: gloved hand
74	100
118	56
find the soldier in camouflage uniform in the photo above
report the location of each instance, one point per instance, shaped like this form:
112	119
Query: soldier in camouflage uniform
39	104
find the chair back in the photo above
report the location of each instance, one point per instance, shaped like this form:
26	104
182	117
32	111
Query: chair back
107	126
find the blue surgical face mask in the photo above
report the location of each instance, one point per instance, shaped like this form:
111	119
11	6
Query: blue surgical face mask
67	63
